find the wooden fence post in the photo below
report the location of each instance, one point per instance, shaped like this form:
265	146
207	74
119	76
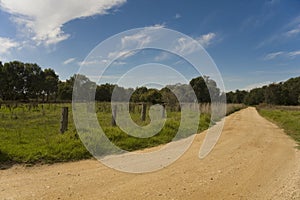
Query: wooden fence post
64	119
143	112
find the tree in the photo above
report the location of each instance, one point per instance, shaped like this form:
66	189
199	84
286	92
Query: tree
104	92
254	97
14	82
50	86
167	96
152	96
293	87
236	97
83	87
272	94
33	80
138	93
205	89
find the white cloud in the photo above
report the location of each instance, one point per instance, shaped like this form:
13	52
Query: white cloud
187	46
92	62
273	55
293	54
141	38
68	61
43	20
136	41
286	33
293	32
120	54
6	44
206	40
119	63
177	16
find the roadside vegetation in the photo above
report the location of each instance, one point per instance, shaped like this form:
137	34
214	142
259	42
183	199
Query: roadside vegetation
30	134
286	117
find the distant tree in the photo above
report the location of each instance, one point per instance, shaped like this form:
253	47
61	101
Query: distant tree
292	86
236	97
230	97
168	97
14	85
137	95
84	88
254	97
183	92
272	94
104	92
152	96
65	88
205	89
33	80
50	86
120	94
201	90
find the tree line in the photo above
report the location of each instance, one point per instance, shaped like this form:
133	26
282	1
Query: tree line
28	82
283	93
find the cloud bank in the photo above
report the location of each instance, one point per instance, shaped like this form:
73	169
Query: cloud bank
43	20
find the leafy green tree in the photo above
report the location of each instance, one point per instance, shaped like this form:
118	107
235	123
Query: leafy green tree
272	94
201	90
254	97
33	80
205	89
168	97
152	96
104	92
13	87
65	90
236	97
50	86
293	87
137	95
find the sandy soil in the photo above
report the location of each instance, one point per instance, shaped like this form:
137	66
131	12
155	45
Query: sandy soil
253	159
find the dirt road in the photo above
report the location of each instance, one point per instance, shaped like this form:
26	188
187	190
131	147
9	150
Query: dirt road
253	159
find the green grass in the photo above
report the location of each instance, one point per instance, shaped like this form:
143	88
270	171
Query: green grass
288	119
31	135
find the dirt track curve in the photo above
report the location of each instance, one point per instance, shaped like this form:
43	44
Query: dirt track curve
253	159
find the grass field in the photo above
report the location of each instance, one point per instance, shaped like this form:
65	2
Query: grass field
286	117
30	134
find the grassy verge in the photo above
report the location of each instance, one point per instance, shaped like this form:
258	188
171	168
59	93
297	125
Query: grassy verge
286	118
31	134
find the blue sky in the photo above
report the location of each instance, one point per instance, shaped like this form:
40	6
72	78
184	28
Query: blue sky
251	42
